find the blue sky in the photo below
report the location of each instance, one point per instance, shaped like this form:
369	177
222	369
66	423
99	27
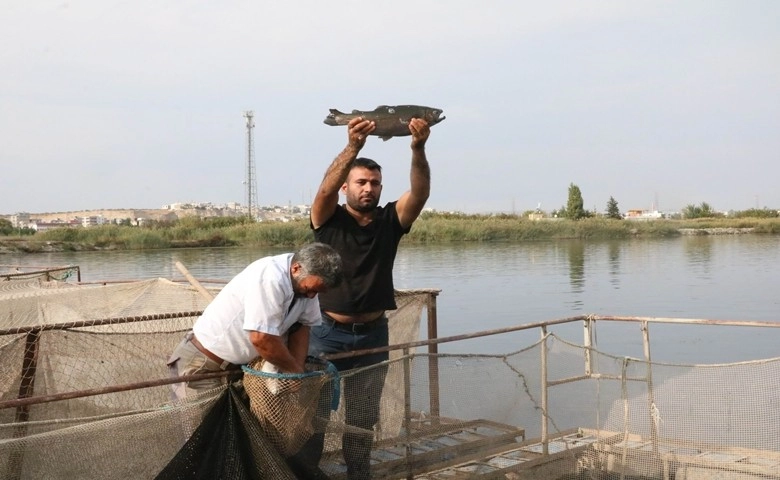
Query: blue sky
137	104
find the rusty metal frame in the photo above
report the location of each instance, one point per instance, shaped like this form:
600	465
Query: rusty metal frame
26	390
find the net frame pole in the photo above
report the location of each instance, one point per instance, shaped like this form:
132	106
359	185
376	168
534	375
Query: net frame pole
588	327
651	407
91	392
29	368
545	412
408	414
194	281
433	360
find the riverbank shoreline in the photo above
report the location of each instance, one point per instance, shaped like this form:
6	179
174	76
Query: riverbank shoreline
715	231
31	246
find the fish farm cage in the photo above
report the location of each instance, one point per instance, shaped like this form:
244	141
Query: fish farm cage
85	393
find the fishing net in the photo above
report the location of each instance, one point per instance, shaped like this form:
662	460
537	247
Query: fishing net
228	443
97	353
284	404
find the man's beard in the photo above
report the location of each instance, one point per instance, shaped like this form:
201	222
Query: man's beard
364	207
296	285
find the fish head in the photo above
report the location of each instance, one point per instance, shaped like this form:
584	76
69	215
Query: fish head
432	115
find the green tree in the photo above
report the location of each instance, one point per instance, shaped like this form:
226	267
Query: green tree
704	210
574	207
612	209
560	213
5	227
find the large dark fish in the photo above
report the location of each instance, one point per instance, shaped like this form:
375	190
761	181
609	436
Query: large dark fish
391	121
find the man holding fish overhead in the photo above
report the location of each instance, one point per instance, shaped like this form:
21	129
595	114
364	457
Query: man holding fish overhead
366	235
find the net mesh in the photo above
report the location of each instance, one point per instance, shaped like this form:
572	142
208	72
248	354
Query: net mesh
284	405
551	409
59	338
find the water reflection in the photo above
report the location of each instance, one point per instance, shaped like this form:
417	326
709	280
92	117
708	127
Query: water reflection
698	250
576	256
613	254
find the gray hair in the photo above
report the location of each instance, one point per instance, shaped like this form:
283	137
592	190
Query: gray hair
320	260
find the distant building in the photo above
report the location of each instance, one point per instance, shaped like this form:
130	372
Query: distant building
643	214
92	221
40	226
19	220
178	206
301	209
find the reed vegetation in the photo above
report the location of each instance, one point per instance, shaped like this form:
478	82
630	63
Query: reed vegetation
438	228
429	228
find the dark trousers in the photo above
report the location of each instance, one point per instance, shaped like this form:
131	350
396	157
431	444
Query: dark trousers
362	395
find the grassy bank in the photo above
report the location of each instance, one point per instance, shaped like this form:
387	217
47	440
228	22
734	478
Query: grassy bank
429	228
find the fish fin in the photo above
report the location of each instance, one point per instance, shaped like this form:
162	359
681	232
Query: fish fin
356	112
386	137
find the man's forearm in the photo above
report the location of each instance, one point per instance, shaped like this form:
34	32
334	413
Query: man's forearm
327	196
338	170
271	348
298	344
420	174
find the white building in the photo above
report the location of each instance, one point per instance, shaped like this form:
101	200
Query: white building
643	215
19	220
92	221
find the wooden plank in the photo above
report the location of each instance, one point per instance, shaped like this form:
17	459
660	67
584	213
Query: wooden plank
430	447
523	461
690	460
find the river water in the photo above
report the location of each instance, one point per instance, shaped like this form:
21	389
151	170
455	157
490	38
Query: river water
495	285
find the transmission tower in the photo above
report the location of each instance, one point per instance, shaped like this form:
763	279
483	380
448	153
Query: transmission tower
251	177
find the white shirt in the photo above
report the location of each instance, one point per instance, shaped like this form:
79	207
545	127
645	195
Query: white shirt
257	299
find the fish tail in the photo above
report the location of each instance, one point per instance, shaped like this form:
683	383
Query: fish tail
333	117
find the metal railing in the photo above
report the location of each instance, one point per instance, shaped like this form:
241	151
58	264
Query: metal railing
27	398
17	272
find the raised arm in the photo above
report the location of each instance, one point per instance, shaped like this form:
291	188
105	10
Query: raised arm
412	202
327	197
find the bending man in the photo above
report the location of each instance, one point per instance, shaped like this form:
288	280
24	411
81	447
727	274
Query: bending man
254	314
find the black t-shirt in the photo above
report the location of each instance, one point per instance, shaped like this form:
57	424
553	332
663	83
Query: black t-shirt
368	254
